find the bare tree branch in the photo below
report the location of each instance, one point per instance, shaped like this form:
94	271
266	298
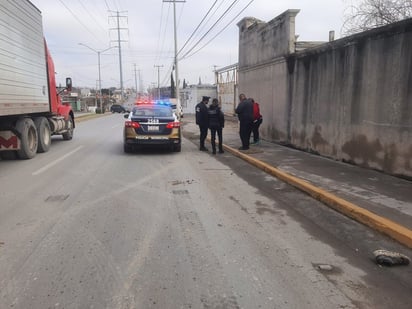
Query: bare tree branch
370	14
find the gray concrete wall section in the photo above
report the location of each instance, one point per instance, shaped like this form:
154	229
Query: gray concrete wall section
349	99
263	69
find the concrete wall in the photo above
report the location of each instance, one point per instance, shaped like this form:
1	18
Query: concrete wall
350	99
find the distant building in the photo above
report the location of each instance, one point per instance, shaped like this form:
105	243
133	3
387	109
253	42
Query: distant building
73	99
117	94
191	95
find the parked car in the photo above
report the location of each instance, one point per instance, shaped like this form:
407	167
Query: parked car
152	125
116	108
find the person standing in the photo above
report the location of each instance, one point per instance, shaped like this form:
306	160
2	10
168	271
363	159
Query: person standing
244	113
216	125
202	121
257	121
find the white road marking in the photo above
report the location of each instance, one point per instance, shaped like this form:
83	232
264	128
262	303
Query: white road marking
46	167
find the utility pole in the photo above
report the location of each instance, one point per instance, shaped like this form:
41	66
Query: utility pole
95	96
151	89
158	79
118	16
176	60
140	82
135	80
216	74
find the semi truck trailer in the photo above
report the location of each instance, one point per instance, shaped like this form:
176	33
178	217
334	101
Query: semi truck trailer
31	106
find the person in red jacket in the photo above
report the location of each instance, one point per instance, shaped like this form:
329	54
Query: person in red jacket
257	121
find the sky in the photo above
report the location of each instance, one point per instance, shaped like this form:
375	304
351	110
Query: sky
147	36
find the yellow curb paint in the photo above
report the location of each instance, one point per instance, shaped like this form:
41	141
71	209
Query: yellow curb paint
381	224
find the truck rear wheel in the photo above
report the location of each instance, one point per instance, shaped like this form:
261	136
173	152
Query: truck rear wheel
28	138
43	134
68	135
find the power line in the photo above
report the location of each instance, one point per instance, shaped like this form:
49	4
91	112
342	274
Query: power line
107	6
88	12
167	75
75	16
162	38
211	28
198	26
224	28
116	4
204	26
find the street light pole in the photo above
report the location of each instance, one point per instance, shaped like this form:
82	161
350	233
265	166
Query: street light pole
176	60
158	80
98	64
100	83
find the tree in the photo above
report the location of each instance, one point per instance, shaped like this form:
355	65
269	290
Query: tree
368	14
107	92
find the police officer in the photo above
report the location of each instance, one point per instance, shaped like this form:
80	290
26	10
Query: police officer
202	121
216	124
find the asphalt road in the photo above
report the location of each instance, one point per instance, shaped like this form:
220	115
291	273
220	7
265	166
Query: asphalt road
87	226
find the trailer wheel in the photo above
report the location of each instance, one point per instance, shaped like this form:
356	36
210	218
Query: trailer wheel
43	134
28	139
69	134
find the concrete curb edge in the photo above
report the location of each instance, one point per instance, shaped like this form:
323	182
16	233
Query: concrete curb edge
392	229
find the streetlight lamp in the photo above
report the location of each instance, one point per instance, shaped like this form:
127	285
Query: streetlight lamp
98	63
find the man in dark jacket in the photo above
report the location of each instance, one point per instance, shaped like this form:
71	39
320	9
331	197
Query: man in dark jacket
216	124
202	121
244	113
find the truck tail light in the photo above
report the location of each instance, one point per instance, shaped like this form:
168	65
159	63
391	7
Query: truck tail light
172	125
132	124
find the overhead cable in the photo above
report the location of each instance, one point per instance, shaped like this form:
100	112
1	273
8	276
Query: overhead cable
210	29
223	29
198	26
217	9
88	11
75	16
162	38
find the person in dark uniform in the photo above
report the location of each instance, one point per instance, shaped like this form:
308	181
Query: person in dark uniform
202	121
244	113
216	124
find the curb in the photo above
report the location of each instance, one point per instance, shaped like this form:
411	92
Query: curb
86	116
390	228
